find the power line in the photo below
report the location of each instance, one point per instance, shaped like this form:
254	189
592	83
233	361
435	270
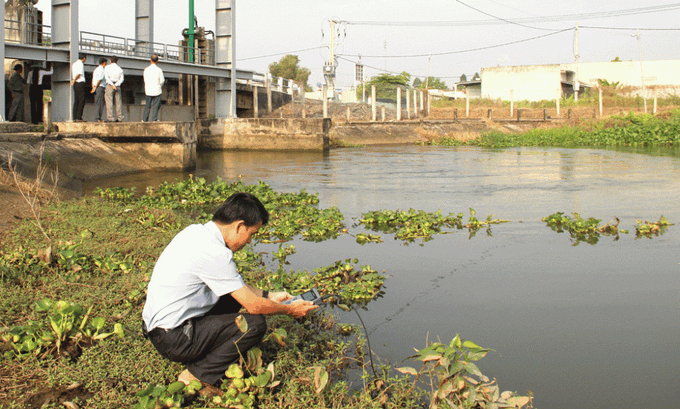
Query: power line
392	72
464	51
523	20
502	19
630	29
282	53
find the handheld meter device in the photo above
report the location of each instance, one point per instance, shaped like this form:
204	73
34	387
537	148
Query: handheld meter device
311	295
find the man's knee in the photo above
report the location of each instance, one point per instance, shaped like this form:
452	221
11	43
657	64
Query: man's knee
258	324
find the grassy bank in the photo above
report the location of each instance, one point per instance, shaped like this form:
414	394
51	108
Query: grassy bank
641	130
71	300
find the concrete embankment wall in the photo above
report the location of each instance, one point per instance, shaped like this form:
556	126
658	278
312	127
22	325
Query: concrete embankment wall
408	132
264	134
319	134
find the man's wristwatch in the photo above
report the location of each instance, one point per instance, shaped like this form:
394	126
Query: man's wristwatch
265	294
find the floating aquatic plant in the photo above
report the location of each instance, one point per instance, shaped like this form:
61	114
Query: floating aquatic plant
649	229
580	229
409	225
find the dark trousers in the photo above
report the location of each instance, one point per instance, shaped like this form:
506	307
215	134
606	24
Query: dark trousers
99	104
153	105
207	345
16	112
79	100
35	95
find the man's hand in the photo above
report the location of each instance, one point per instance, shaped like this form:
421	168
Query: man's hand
279	296
300	308
250	298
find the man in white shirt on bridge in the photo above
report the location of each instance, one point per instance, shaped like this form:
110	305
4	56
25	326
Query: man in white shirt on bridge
78	83
153	87
114	79
98	89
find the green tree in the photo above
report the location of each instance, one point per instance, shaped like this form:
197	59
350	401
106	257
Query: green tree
289	67
386	85
463	78
417	83
432	83
476	77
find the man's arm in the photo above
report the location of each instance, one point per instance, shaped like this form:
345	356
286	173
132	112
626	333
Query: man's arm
77	75
107	76
251	299
120	81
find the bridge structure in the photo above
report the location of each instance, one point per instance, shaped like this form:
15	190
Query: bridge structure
61	43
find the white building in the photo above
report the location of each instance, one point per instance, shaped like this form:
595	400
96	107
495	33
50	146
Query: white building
548	82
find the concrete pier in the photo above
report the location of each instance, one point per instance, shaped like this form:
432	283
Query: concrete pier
164	145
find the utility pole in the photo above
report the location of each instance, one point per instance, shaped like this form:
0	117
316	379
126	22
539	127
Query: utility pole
329	68
427	80
642	78
576	56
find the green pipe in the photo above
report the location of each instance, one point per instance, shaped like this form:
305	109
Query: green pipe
191	31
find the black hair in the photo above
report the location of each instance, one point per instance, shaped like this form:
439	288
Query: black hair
241	206
18	67
114	59
102	60
154	58
82	56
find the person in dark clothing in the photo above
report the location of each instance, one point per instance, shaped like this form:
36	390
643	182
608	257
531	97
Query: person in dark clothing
16	85
35	92
78	83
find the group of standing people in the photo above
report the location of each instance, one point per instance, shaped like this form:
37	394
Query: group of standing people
106	87
36	82
106	82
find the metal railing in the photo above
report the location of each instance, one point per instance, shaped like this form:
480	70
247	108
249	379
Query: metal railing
23	32
108	44
279	84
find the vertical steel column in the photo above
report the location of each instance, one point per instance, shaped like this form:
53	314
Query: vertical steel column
2	80
191	31
225	88
65	34
144	25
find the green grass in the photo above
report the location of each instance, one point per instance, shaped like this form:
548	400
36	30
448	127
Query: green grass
641	130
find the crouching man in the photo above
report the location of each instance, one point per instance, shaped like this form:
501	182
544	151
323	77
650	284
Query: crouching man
195	294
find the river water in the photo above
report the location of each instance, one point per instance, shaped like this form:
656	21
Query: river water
581	326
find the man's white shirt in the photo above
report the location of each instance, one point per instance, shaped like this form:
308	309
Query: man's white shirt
114	74
153	80
78	68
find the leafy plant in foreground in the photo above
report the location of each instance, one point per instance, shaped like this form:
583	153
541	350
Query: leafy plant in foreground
170	396
457	381
68	326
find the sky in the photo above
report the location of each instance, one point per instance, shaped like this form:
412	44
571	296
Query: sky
439	38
